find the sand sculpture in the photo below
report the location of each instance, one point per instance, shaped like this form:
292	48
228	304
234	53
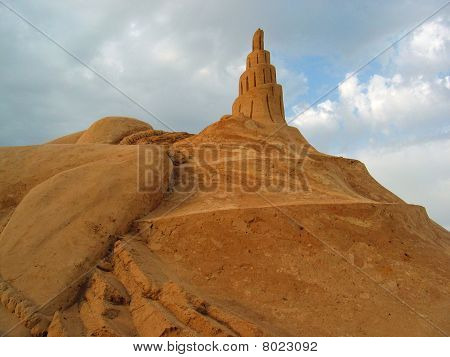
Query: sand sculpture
84	253
260	97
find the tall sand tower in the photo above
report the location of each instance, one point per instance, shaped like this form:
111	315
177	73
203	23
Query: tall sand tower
260	97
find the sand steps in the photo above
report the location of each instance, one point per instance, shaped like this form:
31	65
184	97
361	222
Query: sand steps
140	297
67	323
160	306
25	311
105	310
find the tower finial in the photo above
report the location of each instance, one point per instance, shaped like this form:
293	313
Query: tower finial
258	40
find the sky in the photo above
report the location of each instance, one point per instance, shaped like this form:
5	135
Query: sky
181	60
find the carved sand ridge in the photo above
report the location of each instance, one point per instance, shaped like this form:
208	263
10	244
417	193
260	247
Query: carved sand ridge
153	137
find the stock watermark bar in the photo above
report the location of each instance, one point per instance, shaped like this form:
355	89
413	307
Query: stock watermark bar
181	347
210	167
227	346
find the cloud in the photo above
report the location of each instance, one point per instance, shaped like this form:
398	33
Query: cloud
180	59
427	51
388	109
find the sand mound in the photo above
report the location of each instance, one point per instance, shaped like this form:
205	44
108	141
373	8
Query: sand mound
337	255
111	130
244	130
65	220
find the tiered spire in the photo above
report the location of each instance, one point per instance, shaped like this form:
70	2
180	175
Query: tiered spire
260	97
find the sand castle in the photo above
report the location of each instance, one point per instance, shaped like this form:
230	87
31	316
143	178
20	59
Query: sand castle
84	253
260	97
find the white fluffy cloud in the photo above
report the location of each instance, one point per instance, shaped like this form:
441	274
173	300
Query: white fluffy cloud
381	111
427	51
388	108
